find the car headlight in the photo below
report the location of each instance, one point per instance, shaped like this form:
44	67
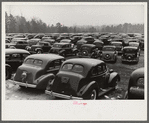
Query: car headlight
140	82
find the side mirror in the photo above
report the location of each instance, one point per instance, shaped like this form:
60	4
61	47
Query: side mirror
111	70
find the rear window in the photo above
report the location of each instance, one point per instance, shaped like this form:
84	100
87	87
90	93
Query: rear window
130	50
77	68
34	62
108	49
67	67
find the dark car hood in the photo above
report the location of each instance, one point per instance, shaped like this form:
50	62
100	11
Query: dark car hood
33	72
67	82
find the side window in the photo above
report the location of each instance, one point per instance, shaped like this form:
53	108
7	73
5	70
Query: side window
94	72
55	65
23	56
100	69
16	57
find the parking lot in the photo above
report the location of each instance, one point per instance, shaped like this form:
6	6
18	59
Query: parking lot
14	92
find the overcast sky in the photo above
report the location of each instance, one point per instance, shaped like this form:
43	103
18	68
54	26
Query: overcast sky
70	15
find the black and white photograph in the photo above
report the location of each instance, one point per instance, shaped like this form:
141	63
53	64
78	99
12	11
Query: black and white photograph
74	61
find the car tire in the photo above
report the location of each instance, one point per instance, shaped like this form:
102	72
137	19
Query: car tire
93	94
114	82
8	73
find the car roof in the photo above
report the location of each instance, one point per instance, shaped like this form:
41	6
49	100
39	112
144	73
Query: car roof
85	61
130	47
45	57
88	45
11	51
61	43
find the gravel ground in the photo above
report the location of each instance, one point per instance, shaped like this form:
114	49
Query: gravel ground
14	92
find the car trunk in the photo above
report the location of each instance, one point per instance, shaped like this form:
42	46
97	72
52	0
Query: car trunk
32	73
130	56
107	54
66	83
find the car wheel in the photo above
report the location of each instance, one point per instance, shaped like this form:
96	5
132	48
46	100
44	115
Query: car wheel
39	52
93	94
8	73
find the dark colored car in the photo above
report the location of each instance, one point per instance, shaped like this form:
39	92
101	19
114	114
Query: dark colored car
63	49
40	47
14	58
17	44
135	44
136	85
99	44
89	50
130	54
36	70
83	78
119	46
109	53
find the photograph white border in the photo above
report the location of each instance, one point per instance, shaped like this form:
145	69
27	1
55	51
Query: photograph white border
66	110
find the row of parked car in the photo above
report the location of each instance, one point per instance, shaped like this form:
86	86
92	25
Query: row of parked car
129	53
76	78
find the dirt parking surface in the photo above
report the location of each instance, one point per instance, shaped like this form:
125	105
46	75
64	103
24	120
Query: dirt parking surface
14	92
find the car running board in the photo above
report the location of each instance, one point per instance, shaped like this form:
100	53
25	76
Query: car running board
104	91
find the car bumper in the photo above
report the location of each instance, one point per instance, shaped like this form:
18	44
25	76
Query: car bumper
126	60
54	94
25	84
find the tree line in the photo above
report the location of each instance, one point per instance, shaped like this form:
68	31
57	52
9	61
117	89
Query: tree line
19	24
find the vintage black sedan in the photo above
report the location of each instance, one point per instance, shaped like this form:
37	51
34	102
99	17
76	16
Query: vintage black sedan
63	49
130	54
40	47
83	78
36	70
89	50
13	59
109	53
136	85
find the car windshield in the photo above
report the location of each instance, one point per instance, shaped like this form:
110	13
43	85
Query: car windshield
34	62
57	46
130	50
108	49
74	68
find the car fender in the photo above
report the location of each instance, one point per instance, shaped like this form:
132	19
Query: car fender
61	51
38	49
43	80
85	88
74	50
113	75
